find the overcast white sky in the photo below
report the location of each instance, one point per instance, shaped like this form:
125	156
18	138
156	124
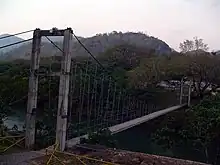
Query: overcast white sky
170	20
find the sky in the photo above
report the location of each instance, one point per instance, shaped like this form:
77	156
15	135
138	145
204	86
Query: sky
169	20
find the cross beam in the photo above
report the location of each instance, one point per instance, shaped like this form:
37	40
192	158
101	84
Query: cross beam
53	32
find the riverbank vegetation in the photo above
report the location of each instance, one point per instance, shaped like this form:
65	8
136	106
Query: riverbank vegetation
195	131
138	72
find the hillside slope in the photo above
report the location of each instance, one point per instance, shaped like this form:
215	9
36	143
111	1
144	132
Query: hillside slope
102	42
7	41
97	45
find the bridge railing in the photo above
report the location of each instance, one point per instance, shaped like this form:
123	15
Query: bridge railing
97	101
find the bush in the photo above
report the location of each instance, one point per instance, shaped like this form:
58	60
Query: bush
102	137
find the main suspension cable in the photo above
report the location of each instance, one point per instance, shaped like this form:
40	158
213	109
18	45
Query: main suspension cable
11	35
15	43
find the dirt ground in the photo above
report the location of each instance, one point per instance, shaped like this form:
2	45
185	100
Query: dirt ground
107	156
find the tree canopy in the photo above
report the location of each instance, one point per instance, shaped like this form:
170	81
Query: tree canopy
202	69
193	45
133	68
196	129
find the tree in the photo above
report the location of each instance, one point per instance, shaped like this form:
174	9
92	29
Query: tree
196	129
186	46
203	70
199	45
193	45
147	73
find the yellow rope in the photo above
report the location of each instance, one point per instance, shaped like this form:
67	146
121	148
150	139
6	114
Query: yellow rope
78	156
3	137
9	137
88	158
52	154
80	160
13	141
14	144
58	159
54	151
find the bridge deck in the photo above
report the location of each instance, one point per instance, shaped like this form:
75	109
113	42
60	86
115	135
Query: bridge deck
129	124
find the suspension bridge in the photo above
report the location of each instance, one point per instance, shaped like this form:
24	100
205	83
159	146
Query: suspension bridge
76	97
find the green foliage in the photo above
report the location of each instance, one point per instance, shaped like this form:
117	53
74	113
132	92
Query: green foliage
133	68
200	69
14	86
102	137
198	128
5	110
195	44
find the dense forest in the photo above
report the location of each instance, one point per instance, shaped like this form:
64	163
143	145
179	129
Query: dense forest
137	71
193	133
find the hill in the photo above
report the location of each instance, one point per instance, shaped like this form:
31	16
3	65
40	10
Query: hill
217	53
97	45
23	52
102	42
9	40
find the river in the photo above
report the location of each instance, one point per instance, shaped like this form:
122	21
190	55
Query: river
134	139
139	139
18	119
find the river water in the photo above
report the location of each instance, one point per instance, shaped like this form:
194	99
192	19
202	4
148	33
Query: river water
138	139
18	119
